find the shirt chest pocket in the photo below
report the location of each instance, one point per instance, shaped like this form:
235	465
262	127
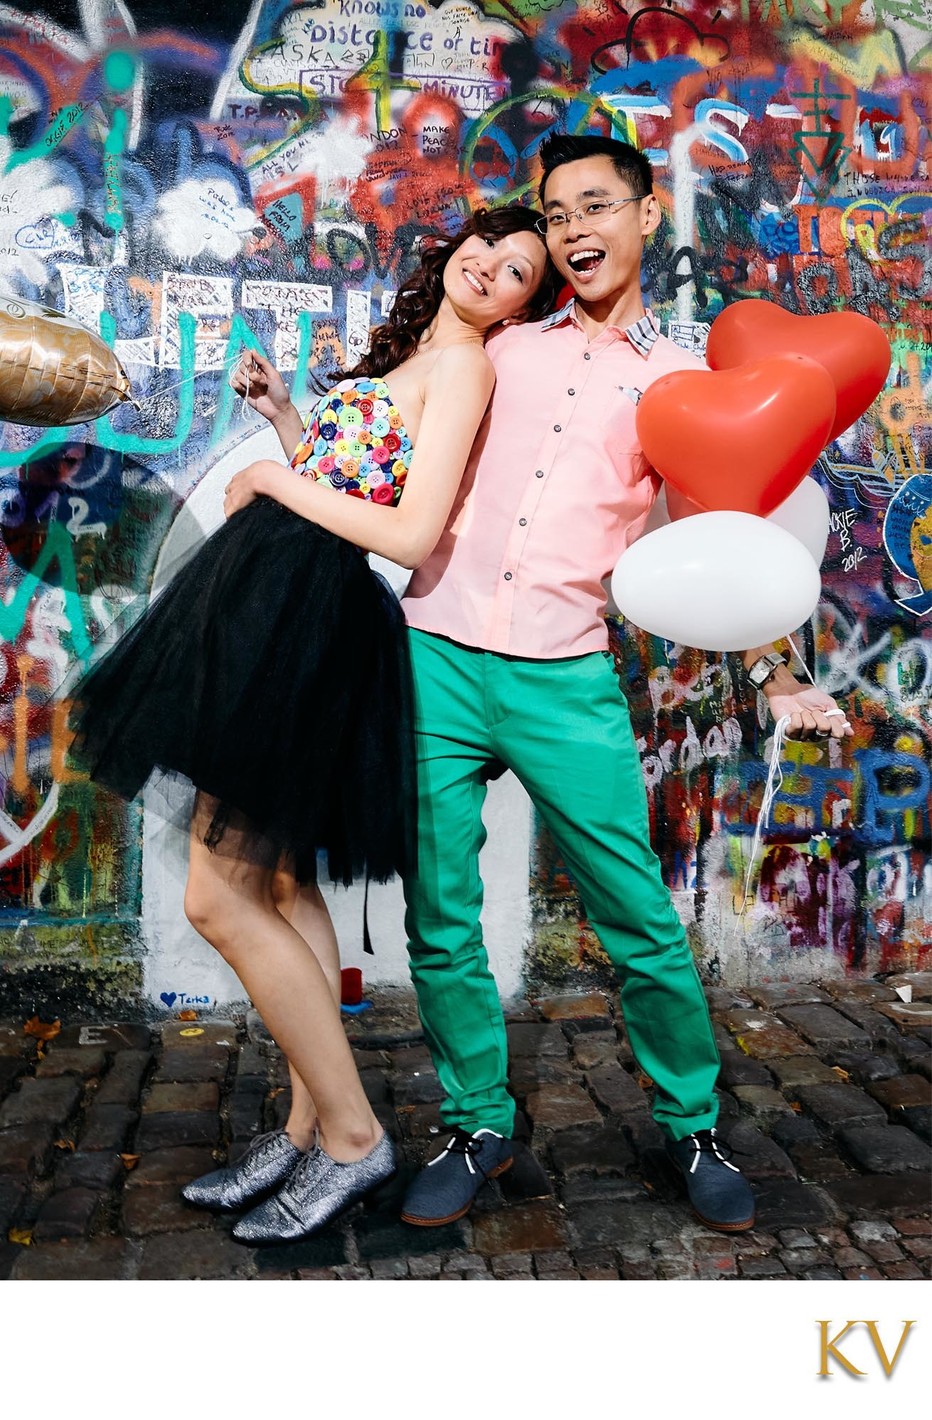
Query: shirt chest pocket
620	419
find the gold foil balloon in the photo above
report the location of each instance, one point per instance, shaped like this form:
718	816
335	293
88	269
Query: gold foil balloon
52	370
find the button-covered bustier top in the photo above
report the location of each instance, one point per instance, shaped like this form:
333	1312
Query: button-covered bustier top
355	441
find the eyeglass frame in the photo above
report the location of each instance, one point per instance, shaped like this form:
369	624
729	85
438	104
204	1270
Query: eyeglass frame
561	219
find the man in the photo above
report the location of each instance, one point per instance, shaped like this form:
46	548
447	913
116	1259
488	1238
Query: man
512	670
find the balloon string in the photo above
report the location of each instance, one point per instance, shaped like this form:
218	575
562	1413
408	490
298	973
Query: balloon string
771	789
800	659
167	389
774	783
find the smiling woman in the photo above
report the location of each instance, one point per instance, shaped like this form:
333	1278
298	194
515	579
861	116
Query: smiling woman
273	675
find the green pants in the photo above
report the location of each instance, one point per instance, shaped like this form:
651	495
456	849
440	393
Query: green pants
563	728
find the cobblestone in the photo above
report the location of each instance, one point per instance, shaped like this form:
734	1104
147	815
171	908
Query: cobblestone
740	1069
879	1029
107	1126
85	1062
823	1096
69	1214
760	1102
824	1027
162	1131
195	1253
792	1071
171	1099
901	1092
838	1106
590	1006
38	1101
615	1090
878	1194
26	1149
591	1151
816	1162
100	1170
158	1209
117	1036
560	1106
532	1039
122	1083
533	1227
100	1260
887	1149
595	1048
774	994
762	1035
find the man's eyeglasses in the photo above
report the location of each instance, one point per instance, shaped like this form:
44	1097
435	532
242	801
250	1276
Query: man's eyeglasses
591	215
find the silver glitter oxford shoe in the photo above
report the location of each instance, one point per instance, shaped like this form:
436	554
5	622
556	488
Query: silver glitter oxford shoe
267	1162
317	1191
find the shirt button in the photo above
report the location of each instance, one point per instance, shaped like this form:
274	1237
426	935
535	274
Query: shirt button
507	576
587	356
557	428
522	522
539	473
571	391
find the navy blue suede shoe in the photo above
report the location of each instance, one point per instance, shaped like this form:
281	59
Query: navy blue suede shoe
720	1196
446	1188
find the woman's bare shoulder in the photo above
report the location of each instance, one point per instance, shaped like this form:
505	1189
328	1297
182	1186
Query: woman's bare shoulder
461	362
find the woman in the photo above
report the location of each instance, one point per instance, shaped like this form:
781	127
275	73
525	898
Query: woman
273	675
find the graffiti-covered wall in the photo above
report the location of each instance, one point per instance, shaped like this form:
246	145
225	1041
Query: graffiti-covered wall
189	180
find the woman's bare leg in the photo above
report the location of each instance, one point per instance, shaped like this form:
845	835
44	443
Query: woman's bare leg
231	904
305	909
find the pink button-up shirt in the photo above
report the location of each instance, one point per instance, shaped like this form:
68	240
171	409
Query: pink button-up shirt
556	488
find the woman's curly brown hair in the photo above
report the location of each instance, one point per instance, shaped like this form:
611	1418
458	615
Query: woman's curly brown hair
418	299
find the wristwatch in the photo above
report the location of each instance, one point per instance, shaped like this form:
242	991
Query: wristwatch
763	668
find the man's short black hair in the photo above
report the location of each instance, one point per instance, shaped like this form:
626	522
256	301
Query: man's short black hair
630	164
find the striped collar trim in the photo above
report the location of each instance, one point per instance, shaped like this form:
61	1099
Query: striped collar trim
642	333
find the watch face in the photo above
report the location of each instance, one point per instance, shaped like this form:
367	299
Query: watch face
763	669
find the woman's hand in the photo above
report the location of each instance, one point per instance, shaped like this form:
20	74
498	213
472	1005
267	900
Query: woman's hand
247	485
262	386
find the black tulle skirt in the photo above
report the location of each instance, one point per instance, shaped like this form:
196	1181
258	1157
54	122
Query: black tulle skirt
272	674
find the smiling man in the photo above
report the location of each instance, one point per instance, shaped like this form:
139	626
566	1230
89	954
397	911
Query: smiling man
513	670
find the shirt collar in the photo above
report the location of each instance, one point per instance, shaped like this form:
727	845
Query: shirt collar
642	334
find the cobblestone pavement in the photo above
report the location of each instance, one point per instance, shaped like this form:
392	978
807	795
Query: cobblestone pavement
825	1100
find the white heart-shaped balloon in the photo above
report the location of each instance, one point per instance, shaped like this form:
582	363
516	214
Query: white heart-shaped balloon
720	581
805	514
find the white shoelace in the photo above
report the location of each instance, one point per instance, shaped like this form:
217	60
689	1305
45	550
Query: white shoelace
463	1150
715	1150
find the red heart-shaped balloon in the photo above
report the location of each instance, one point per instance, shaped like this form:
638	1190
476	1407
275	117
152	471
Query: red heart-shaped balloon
853	349
738	439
